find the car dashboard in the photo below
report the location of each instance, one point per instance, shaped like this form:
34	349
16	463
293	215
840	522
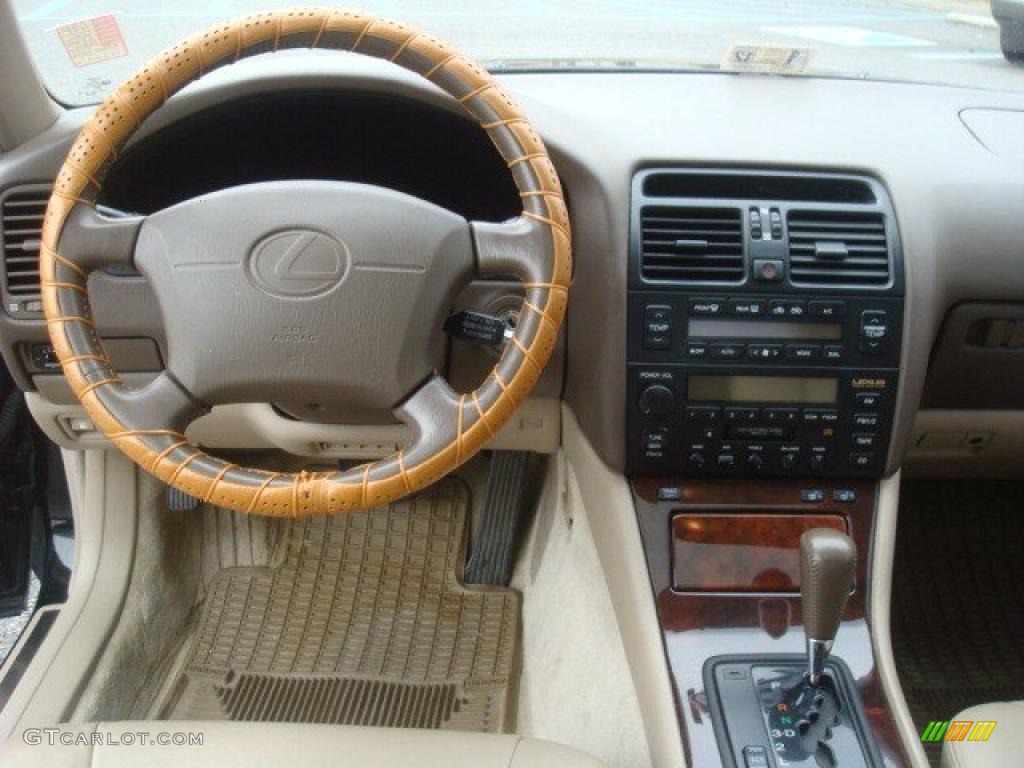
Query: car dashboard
930	172
786	290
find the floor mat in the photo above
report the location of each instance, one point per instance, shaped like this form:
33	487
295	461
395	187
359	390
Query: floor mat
364	622
958	597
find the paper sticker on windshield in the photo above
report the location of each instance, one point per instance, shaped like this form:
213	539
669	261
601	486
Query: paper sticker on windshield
93	40
779	59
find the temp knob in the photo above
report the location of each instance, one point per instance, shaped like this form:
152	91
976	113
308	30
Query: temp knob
756	462
697	460
657	401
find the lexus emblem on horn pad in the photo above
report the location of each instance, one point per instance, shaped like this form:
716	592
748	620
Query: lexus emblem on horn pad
298	262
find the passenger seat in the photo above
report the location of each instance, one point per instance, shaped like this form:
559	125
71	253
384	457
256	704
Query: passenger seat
1003	749
268	745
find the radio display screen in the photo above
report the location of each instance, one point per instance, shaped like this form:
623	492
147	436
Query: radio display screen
759	329
762	389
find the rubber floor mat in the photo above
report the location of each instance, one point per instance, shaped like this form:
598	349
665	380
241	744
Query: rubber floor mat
364	622
958	597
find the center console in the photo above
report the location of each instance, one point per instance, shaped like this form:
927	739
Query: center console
764	325
765	321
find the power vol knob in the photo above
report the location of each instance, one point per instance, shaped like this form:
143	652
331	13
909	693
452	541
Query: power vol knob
657	401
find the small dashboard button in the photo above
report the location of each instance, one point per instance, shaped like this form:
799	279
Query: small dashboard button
787	308
742	415
864	440
874	332
697	350
755	223
755	757
655	441
781	415
803	353
826	309
764	351
768	270
656	341
658	313
819	457
727	351
707	306
868	399
861	460
704	414
788	459
748	307
670	493
865	420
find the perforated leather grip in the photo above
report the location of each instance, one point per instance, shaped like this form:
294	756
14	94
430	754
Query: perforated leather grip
451	428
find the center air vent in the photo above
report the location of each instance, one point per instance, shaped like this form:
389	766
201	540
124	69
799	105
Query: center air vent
838	248
691	244
21	223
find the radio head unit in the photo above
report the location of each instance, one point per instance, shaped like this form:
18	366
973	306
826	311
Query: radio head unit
699	420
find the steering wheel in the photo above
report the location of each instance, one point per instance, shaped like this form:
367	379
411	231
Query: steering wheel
303	291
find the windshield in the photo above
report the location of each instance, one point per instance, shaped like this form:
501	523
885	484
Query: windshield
84	48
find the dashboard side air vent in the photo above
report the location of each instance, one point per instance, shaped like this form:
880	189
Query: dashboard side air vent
21	224
683	244
832	248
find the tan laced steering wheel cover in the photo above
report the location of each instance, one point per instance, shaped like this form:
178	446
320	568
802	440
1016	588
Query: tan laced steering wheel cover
469	421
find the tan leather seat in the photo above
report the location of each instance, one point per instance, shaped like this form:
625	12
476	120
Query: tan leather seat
262	745
1003	749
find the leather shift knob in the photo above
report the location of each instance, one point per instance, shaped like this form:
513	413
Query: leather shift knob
827	560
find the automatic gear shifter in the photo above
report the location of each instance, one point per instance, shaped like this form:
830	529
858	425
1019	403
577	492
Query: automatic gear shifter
797	717
827	560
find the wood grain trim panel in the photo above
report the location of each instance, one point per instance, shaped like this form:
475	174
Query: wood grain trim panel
697	626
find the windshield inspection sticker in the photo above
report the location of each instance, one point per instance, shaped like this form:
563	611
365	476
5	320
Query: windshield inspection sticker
93	40
778	59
